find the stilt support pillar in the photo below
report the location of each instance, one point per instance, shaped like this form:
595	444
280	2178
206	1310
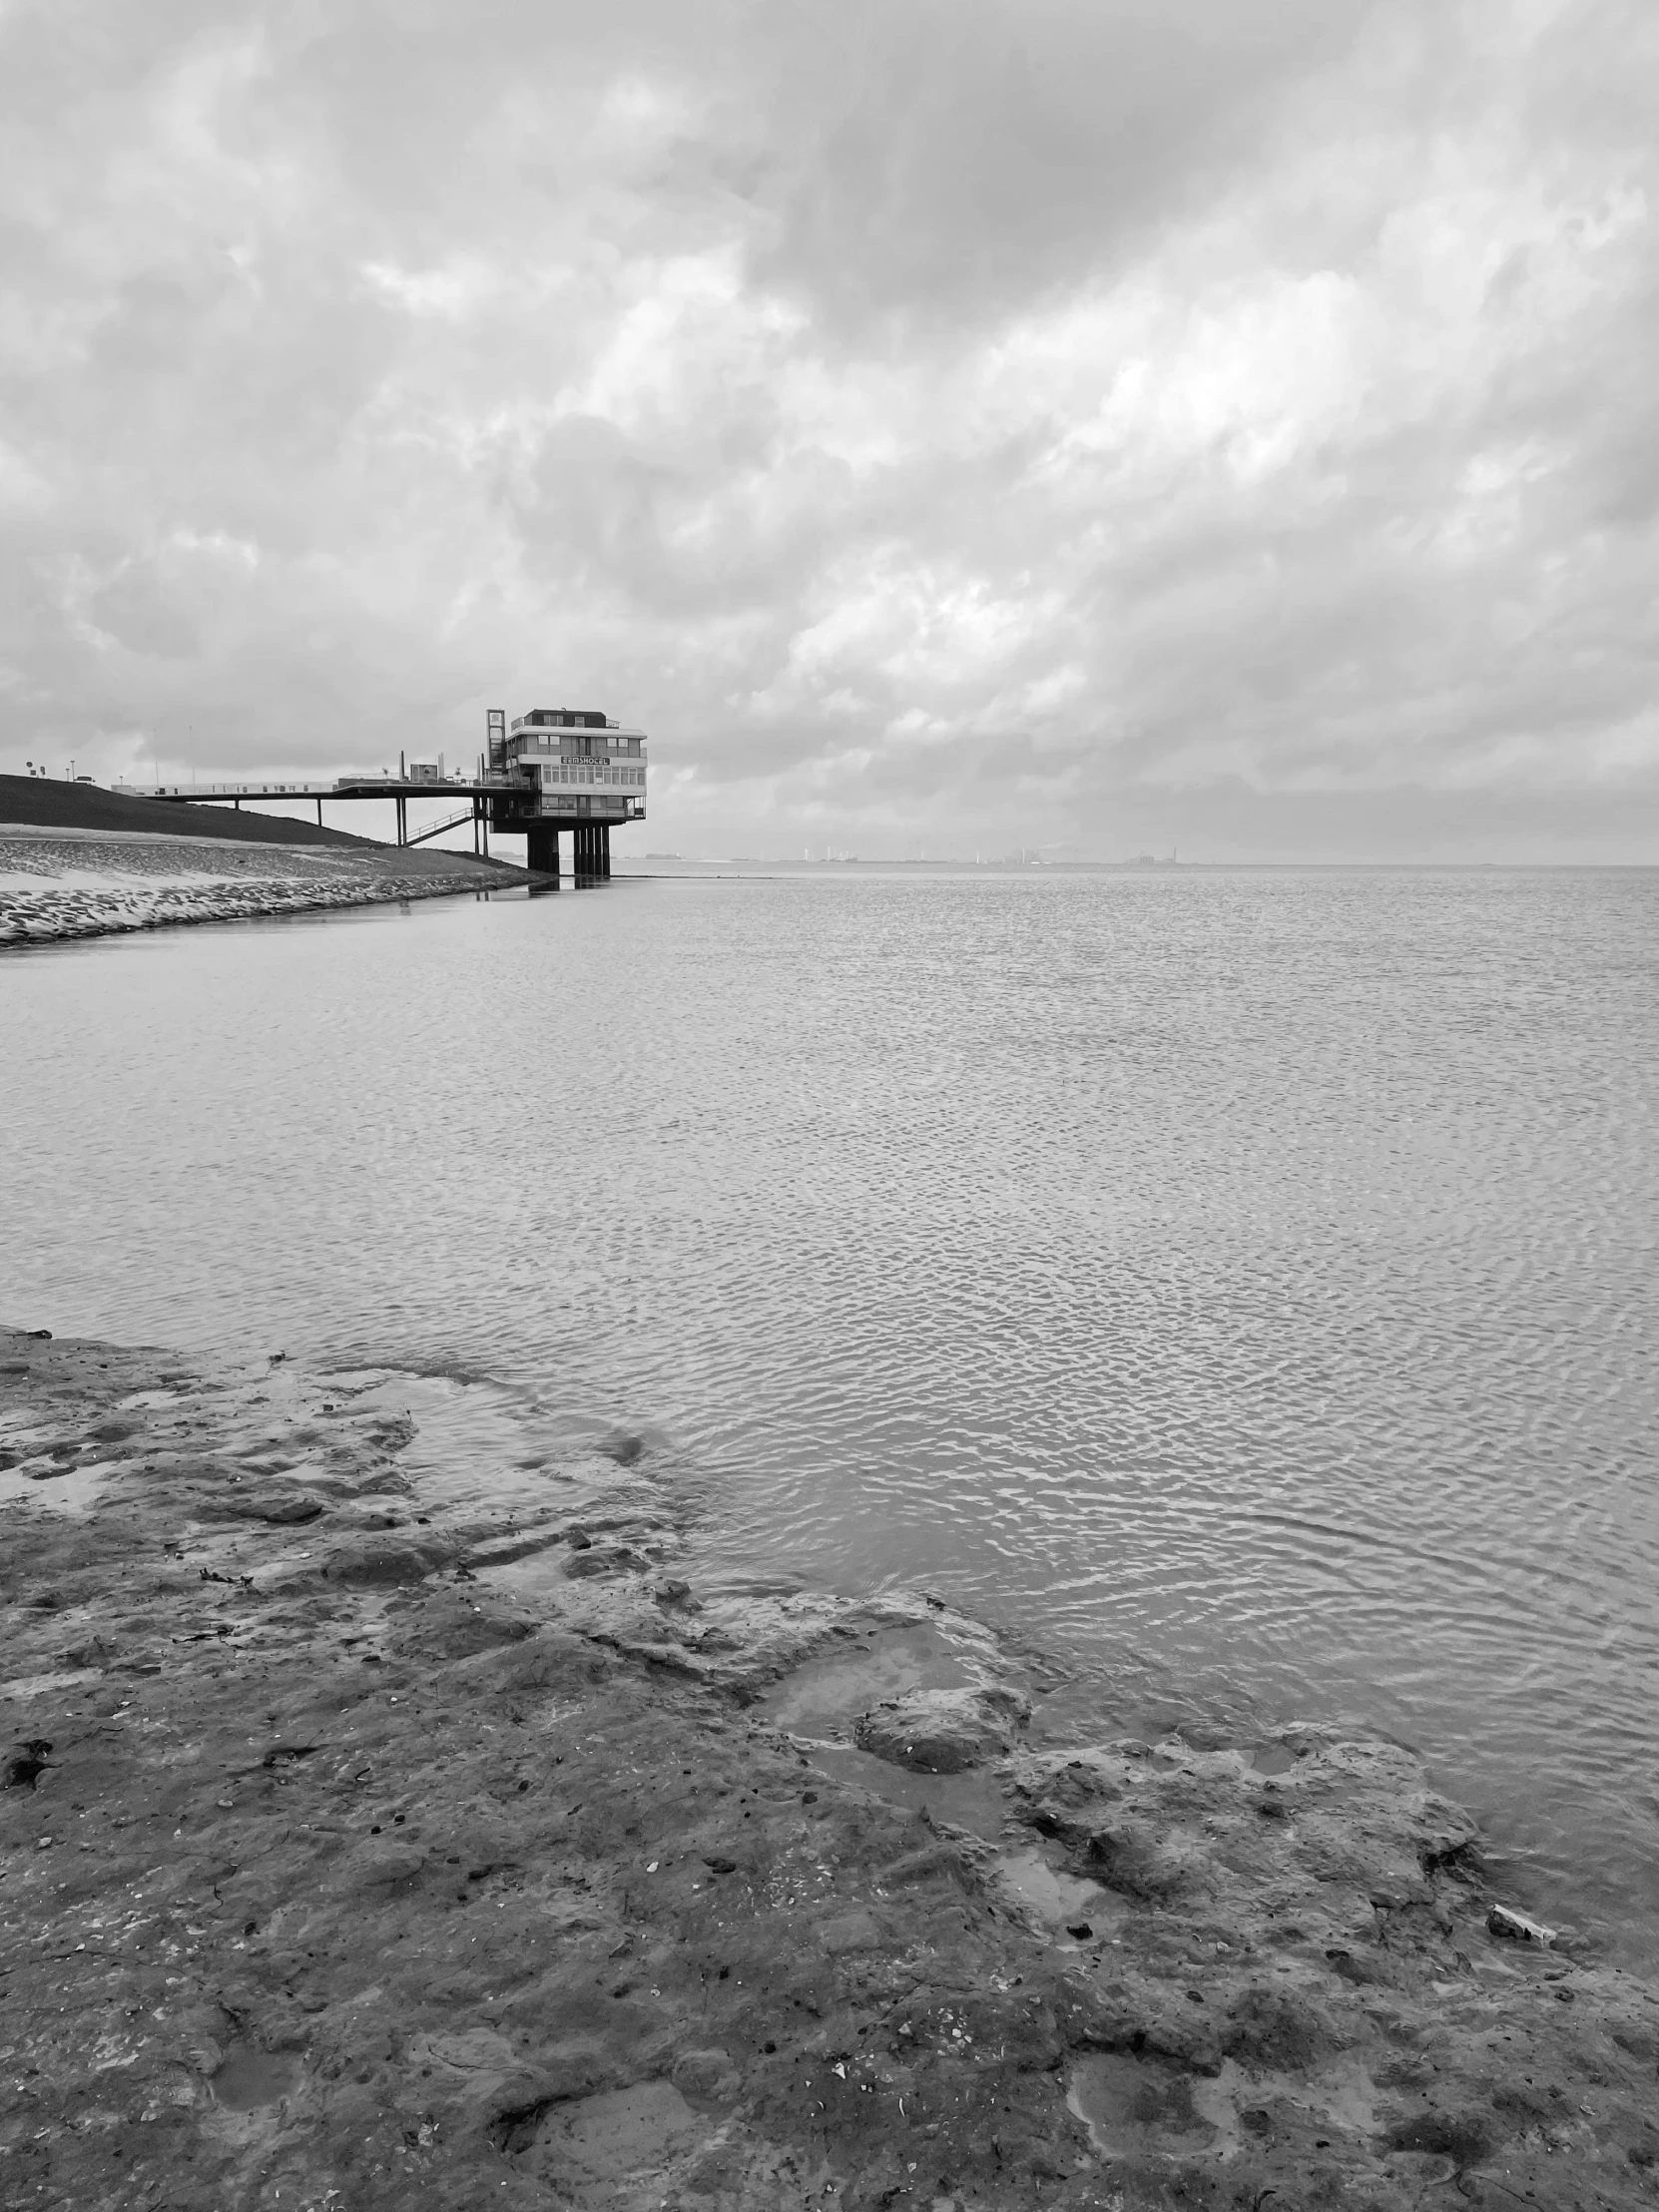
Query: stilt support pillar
542	855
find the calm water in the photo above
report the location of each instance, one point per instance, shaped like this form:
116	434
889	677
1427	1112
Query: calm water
1241	1283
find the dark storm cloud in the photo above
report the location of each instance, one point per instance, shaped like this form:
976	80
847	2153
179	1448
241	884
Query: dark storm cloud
1049	424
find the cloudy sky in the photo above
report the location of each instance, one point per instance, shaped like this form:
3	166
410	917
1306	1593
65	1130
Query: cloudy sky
1084	424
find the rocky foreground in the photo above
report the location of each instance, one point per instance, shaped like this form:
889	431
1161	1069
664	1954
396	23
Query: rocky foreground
363	1847
57	883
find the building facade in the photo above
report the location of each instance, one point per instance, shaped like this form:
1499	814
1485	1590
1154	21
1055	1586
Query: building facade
565	767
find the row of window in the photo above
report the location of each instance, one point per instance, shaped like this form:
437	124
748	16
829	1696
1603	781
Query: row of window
591	772
603	809
597	748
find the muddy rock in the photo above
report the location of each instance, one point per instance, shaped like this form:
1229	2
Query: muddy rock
943	1731
437	1628
704	2075
275	1505
371	1560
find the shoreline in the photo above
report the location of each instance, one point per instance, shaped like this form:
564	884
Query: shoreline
60	885
365	1845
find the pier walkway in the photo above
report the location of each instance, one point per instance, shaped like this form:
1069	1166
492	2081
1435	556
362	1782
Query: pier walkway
493	802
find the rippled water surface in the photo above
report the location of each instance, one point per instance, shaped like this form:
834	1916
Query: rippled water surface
1239	1283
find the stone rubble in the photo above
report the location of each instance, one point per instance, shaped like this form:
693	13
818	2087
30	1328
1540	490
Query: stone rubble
63	885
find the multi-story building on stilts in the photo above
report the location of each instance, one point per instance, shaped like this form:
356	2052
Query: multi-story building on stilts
556	768
566	767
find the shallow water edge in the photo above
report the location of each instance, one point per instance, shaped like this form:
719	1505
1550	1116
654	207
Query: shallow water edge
389	1841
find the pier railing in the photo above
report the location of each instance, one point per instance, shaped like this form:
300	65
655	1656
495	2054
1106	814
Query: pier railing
599	799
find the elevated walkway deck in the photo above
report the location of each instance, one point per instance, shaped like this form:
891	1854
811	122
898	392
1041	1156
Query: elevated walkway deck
504	803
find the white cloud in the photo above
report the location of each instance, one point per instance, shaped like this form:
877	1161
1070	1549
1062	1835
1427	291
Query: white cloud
1091	421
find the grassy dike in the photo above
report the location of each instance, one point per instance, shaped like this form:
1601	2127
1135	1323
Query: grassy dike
364	1843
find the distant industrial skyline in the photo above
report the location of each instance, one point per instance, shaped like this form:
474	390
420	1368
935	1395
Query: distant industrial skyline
985	425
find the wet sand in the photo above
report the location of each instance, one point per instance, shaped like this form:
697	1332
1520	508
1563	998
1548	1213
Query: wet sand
366	1846
59	884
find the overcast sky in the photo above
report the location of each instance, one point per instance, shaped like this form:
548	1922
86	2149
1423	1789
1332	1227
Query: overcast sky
939	423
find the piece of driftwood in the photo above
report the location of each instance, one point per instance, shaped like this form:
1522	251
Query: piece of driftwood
1501	1921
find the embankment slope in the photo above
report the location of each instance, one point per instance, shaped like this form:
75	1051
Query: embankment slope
46	803
81	883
